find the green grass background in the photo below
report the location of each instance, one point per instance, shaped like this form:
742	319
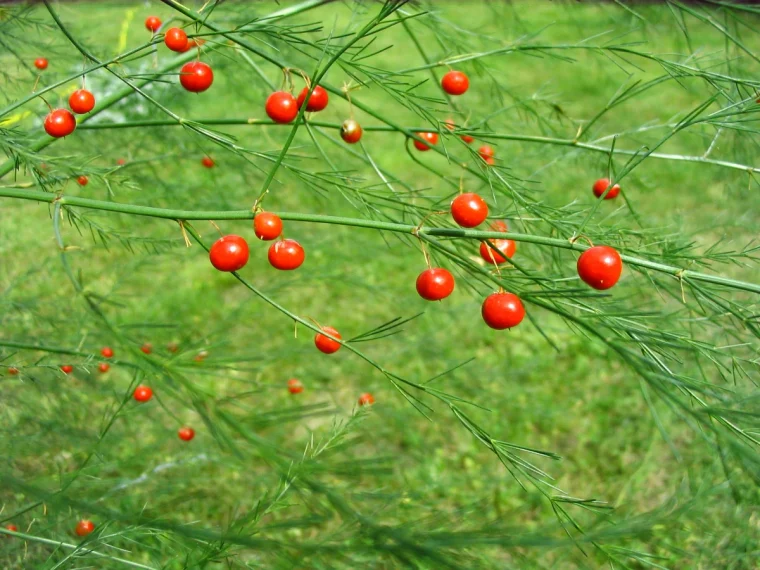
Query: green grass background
579	401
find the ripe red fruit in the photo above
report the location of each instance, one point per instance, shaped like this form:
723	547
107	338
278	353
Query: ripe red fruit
600	267
325	344
502	310
486	152
59	123
152	23
12	527
507	248
435	284
207	161
147	348
229	253
186	433
267	226
84	527
281	107
107	352
143	393
176	39
499	226
350	131
366	399
468	138
41	63
67	368
317	101
196	76
455	83
121	162
286	254
601	185
12	370
81	101
83	180
295	386
469	210
490	161
432	138
103	367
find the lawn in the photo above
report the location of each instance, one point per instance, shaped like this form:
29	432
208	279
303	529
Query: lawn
603	431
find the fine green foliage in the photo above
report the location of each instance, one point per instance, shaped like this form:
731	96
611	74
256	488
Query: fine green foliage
617	429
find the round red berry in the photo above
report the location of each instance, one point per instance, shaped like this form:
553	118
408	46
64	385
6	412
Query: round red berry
176	39
103	367
41	63
455	83
107	352
486	152
196	76
326	344
12	370
507	248
146	348
469	210
281	107
317	101
432	138
435	284
229	253
366	399
286	254
84	527
12	527
207	161
295	386
121	162
267	226
81	101
186	433
350	131
499	226
82	180
67	368
143	393
502	310
152	23
601	185
600	267
59	123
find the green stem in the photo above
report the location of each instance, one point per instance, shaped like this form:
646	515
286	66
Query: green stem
172	214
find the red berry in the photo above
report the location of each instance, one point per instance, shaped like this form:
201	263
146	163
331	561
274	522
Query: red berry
207	161
468	138
317	101
84	527
295	386
121	162
601	185
499	226
67	368
82	101
486	152
12	527
172	347
600	267
469	210
193	42
12	370
229	253
176	39
281	107
186	433
286	254
507	248
435	284
455	83
432	138
103	367
59	123
83	180
147	348
502	310
196	76
366	399
152	23
350	131
107	352
490	161
41	63
143	393
267	226
325	344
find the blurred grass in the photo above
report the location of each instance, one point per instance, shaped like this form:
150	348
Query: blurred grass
578	402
